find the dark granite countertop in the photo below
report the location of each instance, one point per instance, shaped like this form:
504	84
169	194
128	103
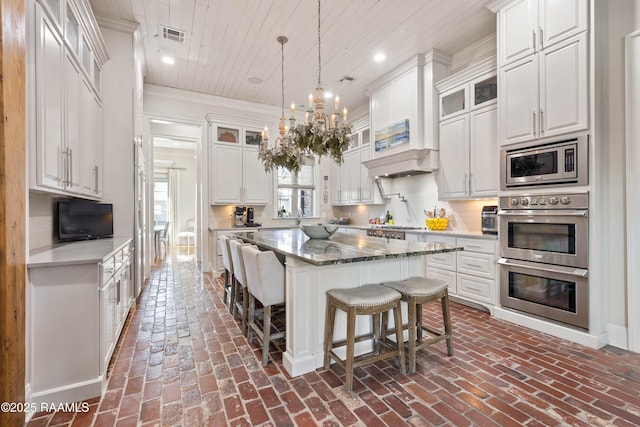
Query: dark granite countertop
340	248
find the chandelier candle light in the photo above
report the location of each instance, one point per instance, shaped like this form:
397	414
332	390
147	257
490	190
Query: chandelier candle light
285	153
320	135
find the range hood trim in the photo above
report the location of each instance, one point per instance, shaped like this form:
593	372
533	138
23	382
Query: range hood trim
409	162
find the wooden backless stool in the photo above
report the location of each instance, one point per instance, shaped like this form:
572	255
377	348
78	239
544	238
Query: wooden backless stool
370	300
415	292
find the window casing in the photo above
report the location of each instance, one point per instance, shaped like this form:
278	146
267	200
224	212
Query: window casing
296	194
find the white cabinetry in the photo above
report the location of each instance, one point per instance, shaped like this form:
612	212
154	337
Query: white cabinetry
469	274
350	181
236	174
65	125
468	134
543	77
531	25
76	315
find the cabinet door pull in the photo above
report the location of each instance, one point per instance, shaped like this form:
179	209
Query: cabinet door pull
541	122
61	167
534	123
70	167
96	176
533	34
541	38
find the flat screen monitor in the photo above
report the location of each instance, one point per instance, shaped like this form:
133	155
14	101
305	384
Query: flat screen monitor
84	220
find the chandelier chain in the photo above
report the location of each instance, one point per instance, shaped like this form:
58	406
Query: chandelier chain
319	59
282	42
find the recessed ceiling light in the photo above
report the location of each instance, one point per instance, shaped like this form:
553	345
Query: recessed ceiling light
379	57
255	80
168	60
328	95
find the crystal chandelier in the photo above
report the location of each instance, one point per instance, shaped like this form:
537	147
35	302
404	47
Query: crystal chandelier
320	135
284	152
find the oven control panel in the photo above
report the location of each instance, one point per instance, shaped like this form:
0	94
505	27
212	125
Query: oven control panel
551	201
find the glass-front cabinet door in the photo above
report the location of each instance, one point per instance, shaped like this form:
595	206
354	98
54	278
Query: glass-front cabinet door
252	138
484	91
54	8
227	135
366	136
72	30
355	140
453	102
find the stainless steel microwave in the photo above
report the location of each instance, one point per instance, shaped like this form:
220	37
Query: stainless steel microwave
532	164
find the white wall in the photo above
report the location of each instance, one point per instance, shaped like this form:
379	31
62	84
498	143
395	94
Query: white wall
118	78
621	18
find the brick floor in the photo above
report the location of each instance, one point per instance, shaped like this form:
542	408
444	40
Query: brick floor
182	361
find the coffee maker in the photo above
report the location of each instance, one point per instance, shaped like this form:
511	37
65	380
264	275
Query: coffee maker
238	216
249	221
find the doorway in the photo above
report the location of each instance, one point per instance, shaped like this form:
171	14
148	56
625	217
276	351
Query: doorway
174	191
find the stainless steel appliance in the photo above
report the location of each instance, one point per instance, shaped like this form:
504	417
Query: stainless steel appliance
489	220
550	291
561	162
249	221
553	229
390	231
544	249
238	216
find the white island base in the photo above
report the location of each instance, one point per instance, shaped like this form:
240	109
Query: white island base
306	286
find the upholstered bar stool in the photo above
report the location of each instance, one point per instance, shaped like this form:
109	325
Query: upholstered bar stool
241	301
265	282
229	282
415	292
370	300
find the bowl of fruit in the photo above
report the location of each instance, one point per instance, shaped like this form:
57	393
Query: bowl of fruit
436	220
437	224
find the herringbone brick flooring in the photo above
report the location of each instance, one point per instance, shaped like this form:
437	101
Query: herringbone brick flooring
182	361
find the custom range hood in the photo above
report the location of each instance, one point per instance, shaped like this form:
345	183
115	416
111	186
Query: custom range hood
407	94
414	161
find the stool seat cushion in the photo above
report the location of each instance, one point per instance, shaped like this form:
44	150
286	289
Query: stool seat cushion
365	296
417	286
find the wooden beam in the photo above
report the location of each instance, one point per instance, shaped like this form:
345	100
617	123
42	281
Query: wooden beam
12	207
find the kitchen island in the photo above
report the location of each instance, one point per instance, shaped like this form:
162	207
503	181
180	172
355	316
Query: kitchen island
314	266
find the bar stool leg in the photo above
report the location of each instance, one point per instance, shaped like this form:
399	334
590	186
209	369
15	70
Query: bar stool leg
415	330
266	338
328	330
446	316
397	319
351	334
251	317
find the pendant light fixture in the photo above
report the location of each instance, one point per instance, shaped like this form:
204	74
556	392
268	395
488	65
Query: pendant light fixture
284	152
320	135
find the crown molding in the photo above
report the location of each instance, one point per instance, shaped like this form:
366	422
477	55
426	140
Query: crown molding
117	24
495	5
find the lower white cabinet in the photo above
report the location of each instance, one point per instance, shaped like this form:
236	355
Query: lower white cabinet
469	274
76	312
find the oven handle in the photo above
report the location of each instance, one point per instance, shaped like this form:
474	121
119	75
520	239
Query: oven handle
581	212
578	272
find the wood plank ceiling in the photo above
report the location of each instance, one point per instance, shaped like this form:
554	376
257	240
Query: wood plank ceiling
229	43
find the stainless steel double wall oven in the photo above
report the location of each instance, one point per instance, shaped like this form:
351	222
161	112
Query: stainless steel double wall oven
544	241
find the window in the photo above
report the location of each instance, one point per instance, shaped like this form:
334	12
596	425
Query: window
297	193
160	197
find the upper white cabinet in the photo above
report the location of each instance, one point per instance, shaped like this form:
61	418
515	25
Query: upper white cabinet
468	133
68	110
237	175
350	181
532	25
543	69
